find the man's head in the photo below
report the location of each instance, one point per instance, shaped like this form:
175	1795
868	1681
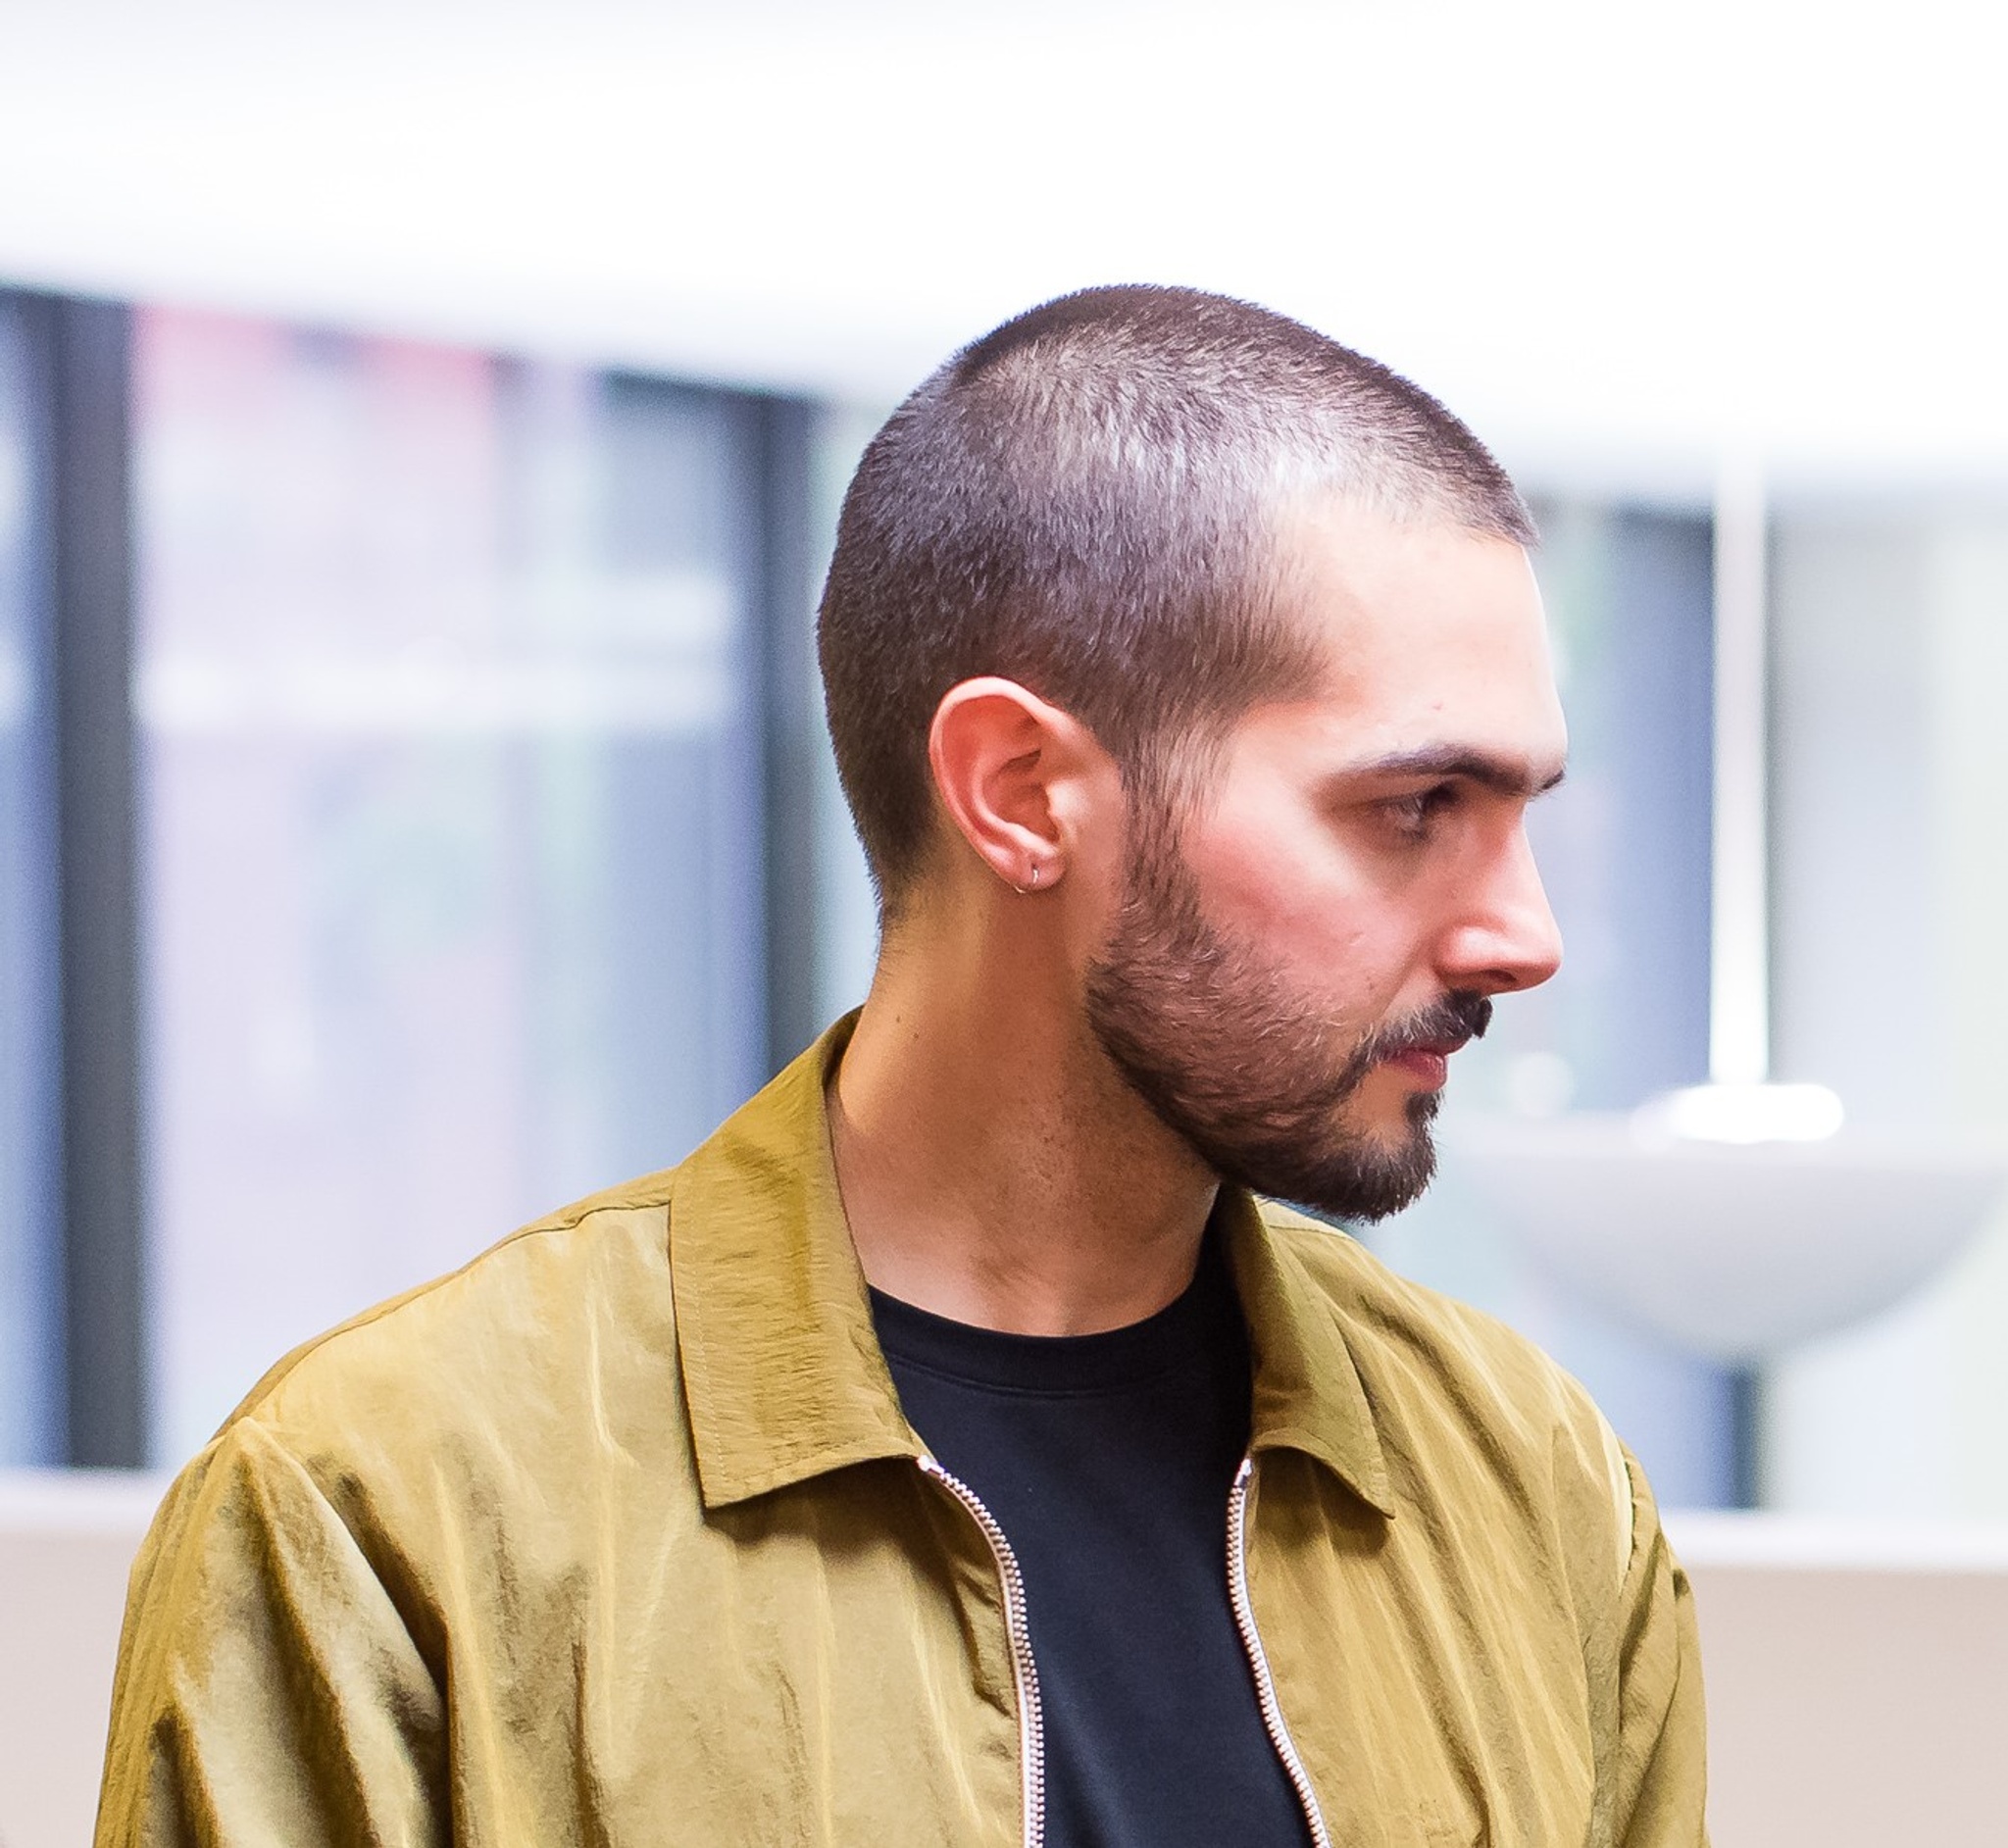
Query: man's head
1284	591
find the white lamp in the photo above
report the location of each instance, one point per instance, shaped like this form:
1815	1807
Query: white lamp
1733	1249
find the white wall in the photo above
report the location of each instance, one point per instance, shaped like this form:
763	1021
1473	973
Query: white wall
67	1541
1857	1679
1891	887
1606	232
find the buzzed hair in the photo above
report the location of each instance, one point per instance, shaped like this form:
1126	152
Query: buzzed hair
1084	501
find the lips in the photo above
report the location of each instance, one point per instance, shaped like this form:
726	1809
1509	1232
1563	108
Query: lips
1427	1039
1441	1048
1422	1044
1428	1064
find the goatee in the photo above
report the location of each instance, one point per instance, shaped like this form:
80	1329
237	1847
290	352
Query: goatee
1252	1078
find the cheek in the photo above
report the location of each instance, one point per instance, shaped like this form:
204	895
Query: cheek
1270	870
1331	935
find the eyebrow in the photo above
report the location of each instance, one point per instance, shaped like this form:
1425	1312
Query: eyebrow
1506	775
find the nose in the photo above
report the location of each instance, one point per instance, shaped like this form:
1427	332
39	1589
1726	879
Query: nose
1505	937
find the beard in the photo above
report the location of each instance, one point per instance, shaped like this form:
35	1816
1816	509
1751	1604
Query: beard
1233	1058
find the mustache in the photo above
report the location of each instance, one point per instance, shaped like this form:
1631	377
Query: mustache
1461	1015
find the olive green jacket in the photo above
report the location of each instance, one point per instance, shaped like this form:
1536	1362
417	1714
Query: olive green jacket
617	1538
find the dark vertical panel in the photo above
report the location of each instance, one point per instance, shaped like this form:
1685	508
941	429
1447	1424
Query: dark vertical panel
790	718
1663	583
33	1428
83	350
1745	1389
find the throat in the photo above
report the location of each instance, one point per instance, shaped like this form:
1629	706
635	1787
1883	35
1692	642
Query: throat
1003	1205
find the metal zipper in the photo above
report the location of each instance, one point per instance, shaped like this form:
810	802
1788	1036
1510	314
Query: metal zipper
1258	1658
1031	1729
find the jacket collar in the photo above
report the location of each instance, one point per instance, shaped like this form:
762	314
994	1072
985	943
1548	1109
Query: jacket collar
1308	1394
781	1367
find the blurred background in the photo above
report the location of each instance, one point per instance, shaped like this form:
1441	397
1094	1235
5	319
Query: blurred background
421	427
421	431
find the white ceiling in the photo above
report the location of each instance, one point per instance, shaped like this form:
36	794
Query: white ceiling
1606	232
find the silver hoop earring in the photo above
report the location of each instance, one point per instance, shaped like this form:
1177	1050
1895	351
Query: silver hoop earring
1034	885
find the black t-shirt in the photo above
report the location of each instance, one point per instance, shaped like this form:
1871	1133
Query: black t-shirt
1107	1460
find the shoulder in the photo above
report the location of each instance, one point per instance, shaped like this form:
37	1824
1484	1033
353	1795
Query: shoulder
527	1298
558	1342
1457	1396
449	1463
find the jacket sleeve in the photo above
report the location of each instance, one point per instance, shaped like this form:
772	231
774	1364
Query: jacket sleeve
1662	1776
268	1689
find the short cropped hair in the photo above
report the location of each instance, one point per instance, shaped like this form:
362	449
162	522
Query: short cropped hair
1082	501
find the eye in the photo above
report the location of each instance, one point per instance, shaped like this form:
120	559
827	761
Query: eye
1412	816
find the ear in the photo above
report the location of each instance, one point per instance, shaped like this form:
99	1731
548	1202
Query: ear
1017	776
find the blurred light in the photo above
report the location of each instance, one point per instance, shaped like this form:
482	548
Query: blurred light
1540	1085
1740	1112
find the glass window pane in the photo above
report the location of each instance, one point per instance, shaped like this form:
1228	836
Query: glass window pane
451	807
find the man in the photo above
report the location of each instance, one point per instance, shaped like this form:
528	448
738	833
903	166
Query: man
954	1450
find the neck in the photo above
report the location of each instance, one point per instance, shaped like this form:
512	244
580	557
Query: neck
994	1166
